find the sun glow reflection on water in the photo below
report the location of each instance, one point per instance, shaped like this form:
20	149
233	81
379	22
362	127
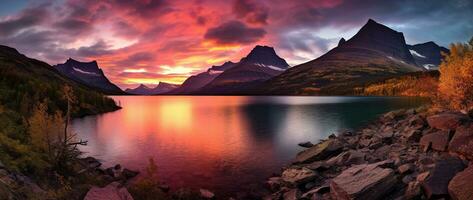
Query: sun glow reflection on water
221	143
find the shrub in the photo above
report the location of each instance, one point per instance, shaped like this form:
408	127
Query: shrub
456	78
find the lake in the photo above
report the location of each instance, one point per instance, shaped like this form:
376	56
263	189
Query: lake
222	143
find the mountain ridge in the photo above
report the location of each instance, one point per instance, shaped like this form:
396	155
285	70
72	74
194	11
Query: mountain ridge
262	63
374	52
88	73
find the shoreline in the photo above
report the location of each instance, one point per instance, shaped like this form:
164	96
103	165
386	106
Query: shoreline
404	154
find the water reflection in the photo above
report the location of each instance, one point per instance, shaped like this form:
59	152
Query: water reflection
220	143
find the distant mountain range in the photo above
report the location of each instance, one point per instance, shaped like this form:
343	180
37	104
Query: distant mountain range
374	53
261	64
88	73
161	88
196	82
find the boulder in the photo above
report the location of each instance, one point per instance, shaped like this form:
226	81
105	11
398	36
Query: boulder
356	157
364	143
366	181
90	162
306	144
412	135
274	183
406	168
462	141
320	151
461	187
394	114
347	158
447	120
386	136
298	176
317	166
113	172
206	194
437	141
422	176
293	194
436	184
110	192
128	174
416	121
316	192
413	190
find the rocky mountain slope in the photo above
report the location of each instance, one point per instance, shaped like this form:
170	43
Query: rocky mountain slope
376	51
261	64
197	82
88	73
428	55
28	81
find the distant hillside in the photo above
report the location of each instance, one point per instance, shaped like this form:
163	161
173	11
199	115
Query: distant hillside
161	88
420	84
88	73
25	82
196	82
374	53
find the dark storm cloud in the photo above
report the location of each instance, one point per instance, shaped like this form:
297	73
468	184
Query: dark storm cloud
98	49
27	18
136	58
234	32
144	9
252	11
419	20
74	25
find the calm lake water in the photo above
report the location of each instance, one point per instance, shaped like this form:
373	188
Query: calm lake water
225	144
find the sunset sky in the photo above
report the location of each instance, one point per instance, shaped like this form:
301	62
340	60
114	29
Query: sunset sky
147	41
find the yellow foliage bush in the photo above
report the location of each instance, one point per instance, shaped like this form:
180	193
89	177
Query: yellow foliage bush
455	89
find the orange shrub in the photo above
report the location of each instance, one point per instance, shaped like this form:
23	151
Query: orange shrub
456	78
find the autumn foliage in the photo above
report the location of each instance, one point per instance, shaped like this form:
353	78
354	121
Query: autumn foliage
455	89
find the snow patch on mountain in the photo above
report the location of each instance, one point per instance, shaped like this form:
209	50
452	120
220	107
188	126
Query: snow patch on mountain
85	72
212	72
430	66
397	60
415	53
270	67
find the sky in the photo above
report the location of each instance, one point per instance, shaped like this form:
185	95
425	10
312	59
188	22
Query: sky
148	41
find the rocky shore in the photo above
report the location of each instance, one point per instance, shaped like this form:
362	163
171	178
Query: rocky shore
405	154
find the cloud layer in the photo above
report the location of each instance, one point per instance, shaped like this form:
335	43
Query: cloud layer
147	41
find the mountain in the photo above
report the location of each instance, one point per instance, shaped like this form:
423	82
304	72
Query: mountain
88	73
197	82
375	52
25	82
428	55
161	88
261	64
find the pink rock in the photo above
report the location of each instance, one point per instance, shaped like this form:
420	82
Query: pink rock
110	192
446	121
462	141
